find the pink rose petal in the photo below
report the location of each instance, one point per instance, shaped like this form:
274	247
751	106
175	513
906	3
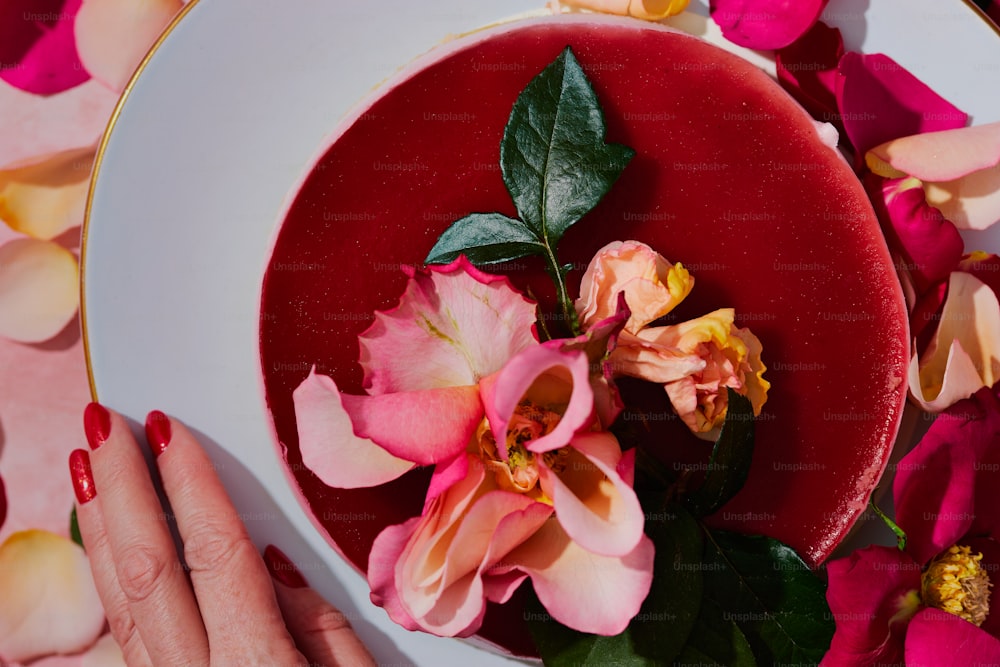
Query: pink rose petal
546	375
945	155
454	325
930	245
648	10
765	24
329	445
971	202
871	593
964	354
50	604
38	51
595	506
933	490
39	289
386	551
421	426
807	69
46	196
941	639
880	101
113	36
582	590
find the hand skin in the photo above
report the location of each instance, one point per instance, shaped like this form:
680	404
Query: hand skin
227	609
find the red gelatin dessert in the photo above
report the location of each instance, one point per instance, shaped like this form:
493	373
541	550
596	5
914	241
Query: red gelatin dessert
731	177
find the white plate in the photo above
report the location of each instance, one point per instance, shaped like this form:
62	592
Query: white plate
210	139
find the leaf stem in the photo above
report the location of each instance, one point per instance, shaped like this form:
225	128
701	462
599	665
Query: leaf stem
893	526
559	278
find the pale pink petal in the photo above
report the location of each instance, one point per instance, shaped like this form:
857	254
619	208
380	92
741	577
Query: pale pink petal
548	376
104	653
329	445
879	101
972	202
454	325
425	426
580	589
596	507
964	354
113	36
386	551
37	46
765	24
652	361
648	10
46	196
50	604
945	155
39	289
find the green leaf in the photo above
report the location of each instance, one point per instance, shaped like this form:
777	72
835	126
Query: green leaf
552	156
771	594
661	628
716	640
731	457
485	238
74	528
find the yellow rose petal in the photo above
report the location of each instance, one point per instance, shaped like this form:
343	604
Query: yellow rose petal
47	196
50	604
39	289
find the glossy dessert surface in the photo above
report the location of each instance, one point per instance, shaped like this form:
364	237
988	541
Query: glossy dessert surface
731	178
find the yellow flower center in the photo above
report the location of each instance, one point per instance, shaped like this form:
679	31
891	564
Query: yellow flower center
956	582
520	471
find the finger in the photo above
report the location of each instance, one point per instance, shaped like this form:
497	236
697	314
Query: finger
319	629
149	573
95	540
229	578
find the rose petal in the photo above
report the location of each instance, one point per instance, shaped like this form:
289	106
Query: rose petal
765	24
807	69
580	589
595	506
39	289
872	593
386	551
929	244
972	202
421	426
933	490
965	352
50	604
113	36
454	325
47	196
945	155
648	10
941	639
563	374
105	653
880	101
651	361
37	46
329	445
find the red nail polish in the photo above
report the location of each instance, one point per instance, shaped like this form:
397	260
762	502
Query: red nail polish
83	478
96	424
157	431
282	569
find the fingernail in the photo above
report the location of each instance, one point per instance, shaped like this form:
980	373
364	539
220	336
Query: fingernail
157	431
83	478
96	424
282	569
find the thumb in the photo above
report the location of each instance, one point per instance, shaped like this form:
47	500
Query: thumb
321	632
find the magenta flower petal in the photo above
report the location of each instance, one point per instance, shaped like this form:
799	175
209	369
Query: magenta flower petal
596	507
329	446
580	589
37	46
941	639
982	431
807	69
421	426
765	24
871	593
934	486
880	101
546	375
930	246
454	325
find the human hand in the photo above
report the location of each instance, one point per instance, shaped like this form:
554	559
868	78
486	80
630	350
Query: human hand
227	611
